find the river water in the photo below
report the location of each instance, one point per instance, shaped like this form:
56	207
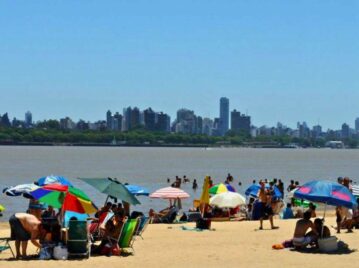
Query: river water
150	167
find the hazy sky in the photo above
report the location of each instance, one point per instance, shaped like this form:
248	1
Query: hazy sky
282	61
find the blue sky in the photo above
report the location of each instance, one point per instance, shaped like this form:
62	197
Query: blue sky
282	61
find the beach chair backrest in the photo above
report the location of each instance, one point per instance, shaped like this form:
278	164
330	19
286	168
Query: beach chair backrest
128	233
117	238
143	222
77	230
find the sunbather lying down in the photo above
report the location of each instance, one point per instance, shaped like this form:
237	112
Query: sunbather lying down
167	215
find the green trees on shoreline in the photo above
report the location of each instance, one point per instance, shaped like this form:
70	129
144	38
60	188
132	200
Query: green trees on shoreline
55	135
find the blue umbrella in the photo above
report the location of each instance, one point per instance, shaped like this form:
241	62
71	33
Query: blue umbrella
137	190
253	191
330	193
54	180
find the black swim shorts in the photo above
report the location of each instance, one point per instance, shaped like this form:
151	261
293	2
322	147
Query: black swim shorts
17	230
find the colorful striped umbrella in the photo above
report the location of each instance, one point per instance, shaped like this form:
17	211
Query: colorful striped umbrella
64	197
221	188
169	193
355	190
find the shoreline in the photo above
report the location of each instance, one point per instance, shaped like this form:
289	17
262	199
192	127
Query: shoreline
229	244
49	144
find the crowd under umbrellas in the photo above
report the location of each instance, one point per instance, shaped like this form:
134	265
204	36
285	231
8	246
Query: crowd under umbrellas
217	200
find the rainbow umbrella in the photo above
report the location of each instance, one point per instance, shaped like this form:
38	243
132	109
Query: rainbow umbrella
64	197
221	188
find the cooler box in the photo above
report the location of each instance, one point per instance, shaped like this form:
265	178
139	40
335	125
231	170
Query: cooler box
329	244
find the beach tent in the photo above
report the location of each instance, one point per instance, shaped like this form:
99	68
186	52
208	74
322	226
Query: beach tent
112	188
227	200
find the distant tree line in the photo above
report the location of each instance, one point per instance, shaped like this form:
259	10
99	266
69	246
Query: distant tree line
49	132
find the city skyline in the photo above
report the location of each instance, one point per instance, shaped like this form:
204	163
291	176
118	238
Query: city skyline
280	61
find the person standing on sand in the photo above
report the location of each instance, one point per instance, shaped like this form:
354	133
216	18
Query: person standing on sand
265	198
25	227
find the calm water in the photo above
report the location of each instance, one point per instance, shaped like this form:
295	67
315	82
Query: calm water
150	167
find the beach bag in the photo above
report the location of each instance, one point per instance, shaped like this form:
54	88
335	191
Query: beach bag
45	253
203	224
60	253
109	250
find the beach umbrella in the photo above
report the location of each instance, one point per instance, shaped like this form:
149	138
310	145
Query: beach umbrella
355	189
112	188
221	188
53	180
169	193
20	189
137	190
227	200
64	197
253	191
330	193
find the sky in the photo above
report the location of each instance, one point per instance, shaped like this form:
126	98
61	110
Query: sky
284	61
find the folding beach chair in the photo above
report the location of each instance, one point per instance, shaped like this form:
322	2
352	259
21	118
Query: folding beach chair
142	225
78	239
5	245
128	234
97	228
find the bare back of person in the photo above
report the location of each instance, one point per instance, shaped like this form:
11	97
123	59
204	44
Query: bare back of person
302	227
29	222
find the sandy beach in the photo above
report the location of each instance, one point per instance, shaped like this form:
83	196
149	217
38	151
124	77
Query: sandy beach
230	244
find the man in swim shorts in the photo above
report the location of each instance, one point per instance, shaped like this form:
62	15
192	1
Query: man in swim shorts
25	227
301	239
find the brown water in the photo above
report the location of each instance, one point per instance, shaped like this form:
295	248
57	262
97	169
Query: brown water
150	167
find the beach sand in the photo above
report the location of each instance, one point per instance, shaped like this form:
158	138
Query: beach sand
230	244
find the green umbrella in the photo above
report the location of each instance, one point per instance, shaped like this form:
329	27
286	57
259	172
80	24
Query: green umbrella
112	188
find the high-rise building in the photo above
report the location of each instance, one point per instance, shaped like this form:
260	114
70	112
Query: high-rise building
163	122
207	126
186	122
117	122
317	131
109	119
126	119
357	125
223	116
131	118
149	119
240	123
135	118
345	131
28	119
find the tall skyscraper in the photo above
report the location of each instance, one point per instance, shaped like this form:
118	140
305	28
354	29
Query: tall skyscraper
223	116
345	131
109	119
28	119
240	123
149	118
357	125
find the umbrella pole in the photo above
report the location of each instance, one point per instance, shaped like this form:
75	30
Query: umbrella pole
325	209
106	200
